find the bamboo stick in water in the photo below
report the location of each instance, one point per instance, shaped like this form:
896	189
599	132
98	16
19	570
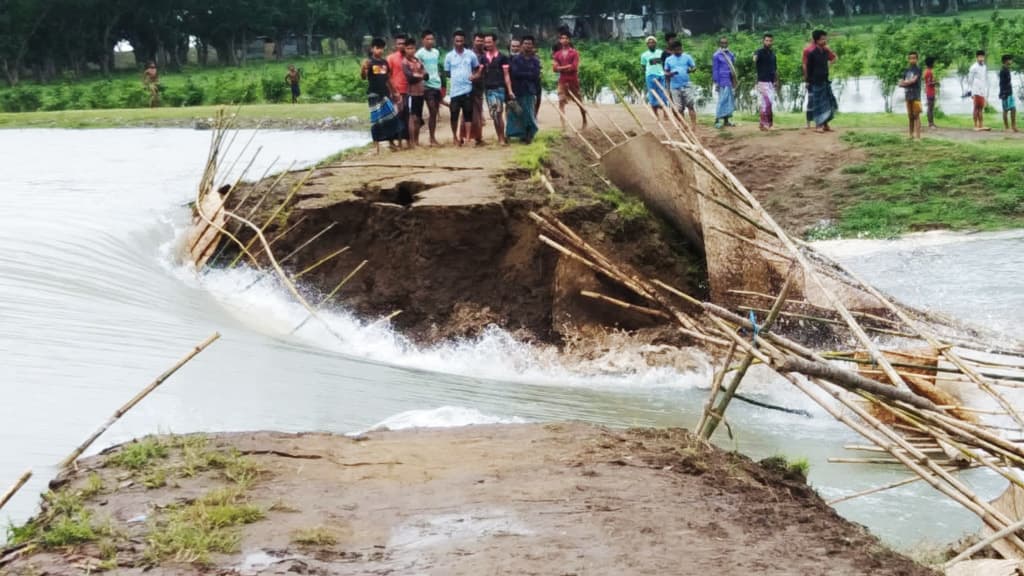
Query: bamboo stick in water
14	489
70	459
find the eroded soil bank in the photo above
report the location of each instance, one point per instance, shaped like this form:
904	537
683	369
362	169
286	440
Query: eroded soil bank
512	499
449	243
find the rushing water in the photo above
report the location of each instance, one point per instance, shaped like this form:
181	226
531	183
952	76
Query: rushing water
93	305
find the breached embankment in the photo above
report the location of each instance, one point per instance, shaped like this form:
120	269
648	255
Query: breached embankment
449	243
511	499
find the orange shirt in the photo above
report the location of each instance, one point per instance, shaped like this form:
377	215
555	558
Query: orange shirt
398	81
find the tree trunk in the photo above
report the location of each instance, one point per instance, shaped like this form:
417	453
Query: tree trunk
910	7
245	47
848	9
952	7
803	10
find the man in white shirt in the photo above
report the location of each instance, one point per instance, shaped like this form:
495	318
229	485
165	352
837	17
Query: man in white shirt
977	79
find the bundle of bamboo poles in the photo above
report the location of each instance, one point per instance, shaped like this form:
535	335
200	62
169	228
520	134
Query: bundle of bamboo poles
891	399
216	227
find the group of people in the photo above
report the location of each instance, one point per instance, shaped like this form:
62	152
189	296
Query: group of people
672	70
977	81
468	79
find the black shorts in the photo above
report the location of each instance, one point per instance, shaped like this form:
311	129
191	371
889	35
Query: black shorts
295	91
463	103
432	96
415	105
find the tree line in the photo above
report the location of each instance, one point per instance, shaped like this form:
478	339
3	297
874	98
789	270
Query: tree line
48	39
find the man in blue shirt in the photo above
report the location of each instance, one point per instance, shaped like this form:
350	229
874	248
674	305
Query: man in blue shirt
462	67
678	67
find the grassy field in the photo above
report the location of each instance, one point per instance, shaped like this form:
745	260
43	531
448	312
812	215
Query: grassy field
934	183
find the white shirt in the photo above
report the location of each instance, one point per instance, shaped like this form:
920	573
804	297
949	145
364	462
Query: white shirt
977	79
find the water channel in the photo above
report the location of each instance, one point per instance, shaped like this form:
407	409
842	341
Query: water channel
93	305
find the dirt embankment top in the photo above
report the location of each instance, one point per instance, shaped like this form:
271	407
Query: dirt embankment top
523	499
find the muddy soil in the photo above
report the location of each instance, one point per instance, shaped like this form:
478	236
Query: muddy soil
449	244
514	499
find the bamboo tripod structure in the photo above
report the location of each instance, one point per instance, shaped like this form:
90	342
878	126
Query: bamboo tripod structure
875	393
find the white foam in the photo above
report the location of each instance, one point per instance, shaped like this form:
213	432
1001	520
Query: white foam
851	248
443	417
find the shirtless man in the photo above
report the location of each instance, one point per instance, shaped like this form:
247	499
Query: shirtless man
151	81
292	78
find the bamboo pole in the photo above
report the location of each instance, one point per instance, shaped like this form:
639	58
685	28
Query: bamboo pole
14	489
606	116
716	413
308	242
716	384
330	295
877	489
70	459
984	543
838	323
320	262
603	133
578	134
652	112
628	108
626	305
291	194
946	351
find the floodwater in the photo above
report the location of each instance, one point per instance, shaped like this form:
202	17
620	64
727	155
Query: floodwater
94	304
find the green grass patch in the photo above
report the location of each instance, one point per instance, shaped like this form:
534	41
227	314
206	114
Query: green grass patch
191	532
65	521
138	455
796	469
628	207
319	536
532	156
935	183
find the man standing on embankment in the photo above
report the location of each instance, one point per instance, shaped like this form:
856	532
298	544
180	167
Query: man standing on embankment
767	80
723	75
821	102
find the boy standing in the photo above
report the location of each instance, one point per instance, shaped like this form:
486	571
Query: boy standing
399	85
497	85
1006	94
460	65
431	57
151	81
654	75
415	77
566	63
977	79
930	86
911	82
292	78
678	68
383	118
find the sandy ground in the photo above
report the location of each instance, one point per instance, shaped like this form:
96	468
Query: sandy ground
516	499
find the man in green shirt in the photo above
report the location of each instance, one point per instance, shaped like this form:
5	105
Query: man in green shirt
430	57
654	73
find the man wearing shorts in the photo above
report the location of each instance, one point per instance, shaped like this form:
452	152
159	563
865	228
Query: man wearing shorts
497	85
460	66
911	82
415	76
977	79
678	68
1006	94
566	63
431	58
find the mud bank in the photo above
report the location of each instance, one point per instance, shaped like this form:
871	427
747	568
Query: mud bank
511	499
449	243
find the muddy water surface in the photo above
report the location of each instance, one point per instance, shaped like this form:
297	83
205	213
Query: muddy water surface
94	304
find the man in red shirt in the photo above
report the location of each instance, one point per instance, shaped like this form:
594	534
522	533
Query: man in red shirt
399	84
807	52
566	63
